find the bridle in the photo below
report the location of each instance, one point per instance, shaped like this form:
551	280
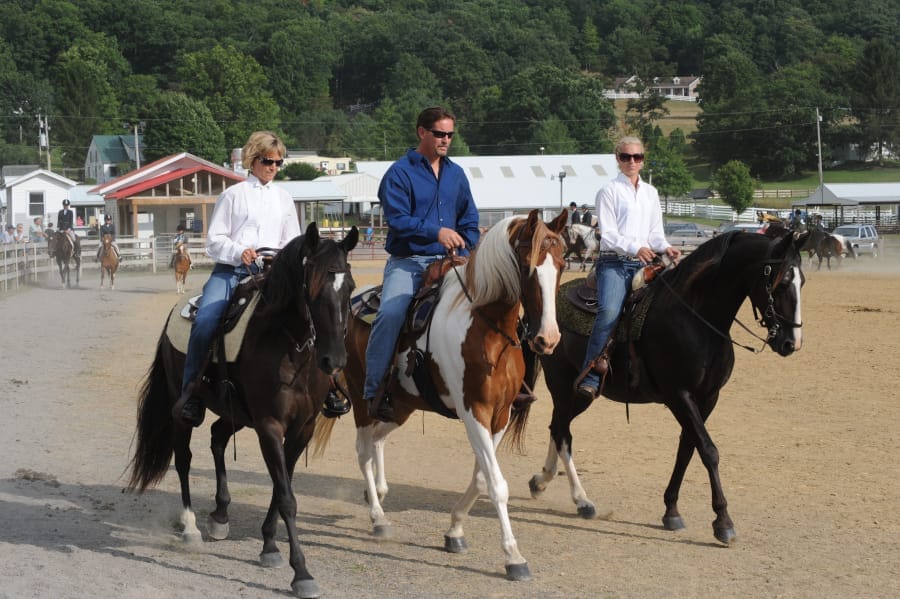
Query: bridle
770	317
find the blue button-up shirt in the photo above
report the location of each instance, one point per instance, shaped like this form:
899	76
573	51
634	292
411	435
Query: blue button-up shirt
417	205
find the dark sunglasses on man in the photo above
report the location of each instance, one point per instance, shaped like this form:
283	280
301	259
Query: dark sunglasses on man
442	134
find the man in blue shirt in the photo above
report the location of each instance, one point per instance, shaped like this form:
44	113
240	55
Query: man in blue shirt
429	209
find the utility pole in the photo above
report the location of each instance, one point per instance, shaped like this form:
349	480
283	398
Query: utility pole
137	148
819	140
562	175
44	137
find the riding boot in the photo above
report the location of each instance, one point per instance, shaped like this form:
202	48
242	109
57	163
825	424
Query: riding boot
189	409
381	409
335	405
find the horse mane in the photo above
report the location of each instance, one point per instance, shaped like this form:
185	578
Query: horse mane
492	272
284	280
702	263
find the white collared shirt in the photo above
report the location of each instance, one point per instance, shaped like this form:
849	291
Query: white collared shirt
250	215
630	218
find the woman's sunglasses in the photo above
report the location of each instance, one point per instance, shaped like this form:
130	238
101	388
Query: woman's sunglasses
270	161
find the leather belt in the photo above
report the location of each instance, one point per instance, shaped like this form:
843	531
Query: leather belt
611	254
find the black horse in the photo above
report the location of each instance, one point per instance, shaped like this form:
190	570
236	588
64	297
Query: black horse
684	355
293	345
65	252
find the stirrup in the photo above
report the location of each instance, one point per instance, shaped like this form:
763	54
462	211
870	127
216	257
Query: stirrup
381	409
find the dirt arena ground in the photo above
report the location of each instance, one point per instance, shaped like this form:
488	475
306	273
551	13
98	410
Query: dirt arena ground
809	459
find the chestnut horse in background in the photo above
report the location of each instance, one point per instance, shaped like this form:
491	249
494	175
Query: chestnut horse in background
109	261
182	264
469	362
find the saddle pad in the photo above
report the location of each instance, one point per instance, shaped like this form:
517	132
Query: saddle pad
178	329
568	314
364	305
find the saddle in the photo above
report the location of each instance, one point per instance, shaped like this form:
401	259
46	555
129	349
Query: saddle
234	322
577	308
418	319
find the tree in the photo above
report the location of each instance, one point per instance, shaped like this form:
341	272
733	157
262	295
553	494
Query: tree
642	112
84	85
182	124
299	171
735	185
234	88
876	102
671	176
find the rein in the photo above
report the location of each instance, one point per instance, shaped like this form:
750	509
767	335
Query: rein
516	343
768	313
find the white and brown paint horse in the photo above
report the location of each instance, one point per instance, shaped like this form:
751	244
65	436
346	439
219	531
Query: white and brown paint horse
182	263
474	357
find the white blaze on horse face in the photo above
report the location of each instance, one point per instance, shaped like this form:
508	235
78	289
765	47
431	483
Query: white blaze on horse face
798	332
338	285
549	331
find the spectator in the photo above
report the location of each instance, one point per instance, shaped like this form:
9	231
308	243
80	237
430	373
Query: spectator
9	235
20	235
36	231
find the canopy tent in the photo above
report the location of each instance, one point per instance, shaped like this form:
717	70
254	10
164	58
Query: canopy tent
849	198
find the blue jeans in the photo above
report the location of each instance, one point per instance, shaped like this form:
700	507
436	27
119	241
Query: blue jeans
614	276
402	278
217	293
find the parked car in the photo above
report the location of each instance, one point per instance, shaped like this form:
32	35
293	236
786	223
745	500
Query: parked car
684	230
749	227
862	238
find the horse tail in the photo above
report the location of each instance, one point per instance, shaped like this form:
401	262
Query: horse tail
322	435
155	427
514	438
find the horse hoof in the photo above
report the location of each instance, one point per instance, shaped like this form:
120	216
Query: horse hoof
192	538
673	522
306	589
587	511
725	535
272	559
535	487
217	531
383	531
518	572
457	545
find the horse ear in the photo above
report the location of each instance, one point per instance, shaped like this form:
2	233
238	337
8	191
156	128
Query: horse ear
312	235
349	242
532	220
559	223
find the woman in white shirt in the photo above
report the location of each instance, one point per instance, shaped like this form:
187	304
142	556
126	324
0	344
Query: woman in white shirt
631	234
250	215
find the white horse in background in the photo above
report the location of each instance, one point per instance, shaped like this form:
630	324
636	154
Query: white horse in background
583	241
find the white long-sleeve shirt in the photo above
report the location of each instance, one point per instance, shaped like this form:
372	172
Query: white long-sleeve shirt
630	218
250	215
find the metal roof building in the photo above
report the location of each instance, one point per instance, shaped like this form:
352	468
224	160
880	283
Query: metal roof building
503	185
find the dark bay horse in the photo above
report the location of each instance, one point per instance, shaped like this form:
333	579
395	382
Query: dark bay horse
684	355
293	345
182	263
473	356
66	252
109	261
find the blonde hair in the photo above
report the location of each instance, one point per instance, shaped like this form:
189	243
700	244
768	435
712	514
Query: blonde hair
627	141
258	145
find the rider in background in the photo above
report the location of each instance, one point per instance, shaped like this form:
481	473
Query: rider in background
252	214
180	237
430	212
65	220
108	228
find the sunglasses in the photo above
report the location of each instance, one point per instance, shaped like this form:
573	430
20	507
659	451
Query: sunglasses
625	157
270	162
442	134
